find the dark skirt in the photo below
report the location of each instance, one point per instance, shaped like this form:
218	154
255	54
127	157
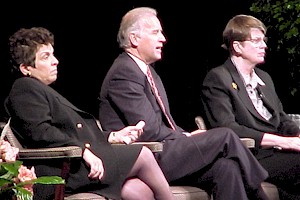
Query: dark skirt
118	161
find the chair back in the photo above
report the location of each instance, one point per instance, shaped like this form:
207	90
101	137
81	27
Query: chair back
8	134
200	123
295	118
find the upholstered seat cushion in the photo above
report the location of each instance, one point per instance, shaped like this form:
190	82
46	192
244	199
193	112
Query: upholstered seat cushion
84	196
189	193
270	190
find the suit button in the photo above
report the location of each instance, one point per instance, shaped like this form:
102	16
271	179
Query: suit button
79	125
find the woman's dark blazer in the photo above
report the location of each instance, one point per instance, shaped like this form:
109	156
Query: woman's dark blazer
226	103
41	117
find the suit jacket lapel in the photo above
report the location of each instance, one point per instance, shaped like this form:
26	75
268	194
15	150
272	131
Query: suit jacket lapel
265	95
241	90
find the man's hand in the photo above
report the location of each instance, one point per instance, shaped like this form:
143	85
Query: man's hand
194	132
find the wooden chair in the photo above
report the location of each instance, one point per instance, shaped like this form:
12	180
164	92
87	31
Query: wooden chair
270	189
65	156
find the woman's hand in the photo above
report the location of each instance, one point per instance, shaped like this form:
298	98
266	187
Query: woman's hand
281	142
128	134
95	163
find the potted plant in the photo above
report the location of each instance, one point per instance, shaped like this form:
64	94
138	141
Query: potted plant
16	180
282	19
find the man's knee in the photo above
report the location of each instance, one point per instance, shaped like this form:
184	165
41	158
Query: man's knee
226	167
225	132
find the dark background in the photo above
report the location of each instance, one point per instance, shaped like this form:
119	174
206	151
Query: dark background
85	44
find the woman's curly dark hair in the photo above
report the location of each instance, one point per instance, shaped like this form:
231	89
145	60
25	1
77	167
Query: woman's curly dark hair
24	44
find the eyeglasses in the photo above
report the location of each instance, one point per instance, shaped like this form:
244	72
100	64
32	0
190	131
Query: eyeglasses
258	41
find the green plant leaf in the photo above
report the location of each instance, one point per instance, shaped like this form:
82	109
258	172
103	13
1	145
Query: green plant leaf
9	170
11	167
48	180
22	194
5	181
282	18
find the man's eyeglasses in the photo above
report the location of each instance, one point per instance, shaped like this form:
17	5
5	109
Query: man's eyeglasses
258	40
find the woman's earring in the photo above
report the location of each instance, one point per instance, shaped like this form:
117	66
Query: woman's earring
29	74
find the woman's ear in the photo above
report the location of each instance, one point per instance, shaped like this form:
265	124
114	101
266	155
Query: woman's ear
236	45
25	70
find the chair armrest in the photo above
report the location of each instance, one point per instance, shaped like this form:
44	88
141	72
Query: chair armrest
248	142
153	146
73	151
48	153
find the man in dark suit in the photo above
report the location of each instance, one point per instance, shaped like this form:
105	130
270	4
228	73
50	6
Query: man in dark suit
215	160
242	97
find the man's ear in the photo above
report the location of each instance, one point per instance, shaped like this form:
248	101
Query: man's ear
25	70
133	39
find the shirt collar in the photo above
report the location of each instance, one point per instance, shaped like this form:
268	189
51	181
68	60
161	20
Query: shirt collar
250	79
140	63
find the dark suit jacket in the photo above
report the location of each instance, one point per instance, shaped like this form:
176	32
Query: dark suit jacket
126	97
41	117
226	103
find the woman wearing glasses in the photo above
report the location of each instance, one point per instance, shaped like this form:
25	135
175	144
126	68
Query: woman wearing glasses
241	96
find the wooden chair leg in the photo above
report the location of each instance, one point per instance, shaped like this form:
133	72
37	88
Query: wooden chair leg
60	189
